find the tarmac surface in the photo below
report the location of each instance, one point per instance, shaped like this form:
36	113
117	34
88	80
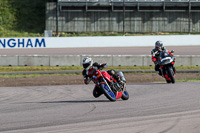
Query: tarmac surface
179	50
151	108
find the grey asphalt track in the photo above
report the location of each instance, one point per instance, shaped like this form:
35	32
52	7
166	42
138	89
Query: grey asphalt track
179	50
152	108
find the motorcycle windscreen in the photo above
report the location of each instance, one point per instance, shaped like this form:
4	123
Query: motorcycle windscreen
166	60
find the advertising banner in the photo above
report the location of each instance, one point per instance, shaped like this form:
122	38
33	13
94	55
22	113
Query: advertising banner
99	41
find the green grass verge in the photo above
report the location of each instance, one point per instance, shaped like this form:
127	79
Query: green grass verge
14	33
189	80
37	68
34	75
73	74
68	68
183	80
63	34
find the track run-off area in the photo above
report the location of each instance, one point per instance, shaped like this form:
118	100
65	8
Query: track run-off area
151	108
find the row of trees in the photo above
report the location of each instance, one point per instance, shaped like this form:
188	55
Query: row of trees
22	15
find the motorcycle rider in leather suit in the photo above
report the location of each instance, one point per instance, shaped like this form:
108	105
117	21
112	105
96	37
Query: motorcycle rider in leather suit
87	65
156	53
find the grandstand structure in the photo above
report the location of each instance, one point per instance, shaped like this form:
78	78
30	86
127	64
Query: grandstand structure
133	16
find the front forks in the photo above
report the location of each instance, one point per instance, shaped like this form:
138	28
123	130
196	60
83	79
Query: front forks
107	84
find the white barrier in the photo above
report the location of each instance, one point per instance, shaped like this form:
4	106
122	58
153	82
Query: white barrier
99	41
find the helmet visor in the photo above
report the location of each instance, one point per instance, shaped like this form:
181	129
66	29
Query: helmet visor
86	64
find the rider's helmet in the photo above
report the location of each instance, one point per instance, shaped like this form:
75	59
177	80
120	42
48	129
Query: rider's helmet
159	45
87	62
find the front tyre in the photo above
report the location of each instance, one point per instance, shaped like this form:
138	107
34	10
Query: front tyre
170	74
125	95
168	81
108	92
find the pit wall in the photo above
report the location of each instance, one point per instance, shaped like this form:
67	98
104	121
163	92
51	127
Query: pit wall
75	60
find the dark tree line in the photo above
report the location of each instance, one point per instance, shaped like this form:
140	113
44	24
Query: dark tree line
23	15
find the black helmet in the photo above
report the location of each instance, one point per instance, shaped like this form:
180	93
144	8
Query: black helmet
87	62
158	45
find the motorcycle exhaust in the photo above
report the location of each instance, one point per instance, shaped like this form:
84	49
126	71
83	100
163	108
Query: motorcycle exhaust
122	76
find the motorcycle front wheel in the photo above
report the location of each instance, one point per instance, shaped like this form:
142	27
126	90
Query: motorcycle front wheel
108	92
168	81
125	95
170	74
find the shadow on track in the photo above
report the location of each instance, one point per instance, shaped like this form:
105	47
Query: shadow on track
156	83
78	101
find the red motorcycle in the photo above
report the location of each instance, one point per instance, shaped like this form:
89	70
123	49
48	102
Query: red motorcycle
108	85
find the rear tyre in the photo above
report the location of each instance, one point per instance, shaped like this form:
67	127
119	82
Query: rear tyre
170	74
97	92
108	92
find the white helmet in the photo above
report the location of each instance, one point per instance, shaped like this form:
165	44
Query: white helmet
87	62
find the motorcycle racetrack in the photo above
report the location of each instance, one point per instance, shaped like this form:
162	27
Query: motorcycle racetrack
151	108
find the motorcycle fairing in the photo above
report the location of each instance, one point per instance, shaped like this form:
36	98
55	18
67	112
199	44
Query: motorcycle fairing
118	94
91	72
106	75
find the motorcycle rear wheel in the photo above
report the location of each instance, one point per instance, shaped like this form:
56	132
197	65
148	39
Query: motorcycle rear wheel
108	92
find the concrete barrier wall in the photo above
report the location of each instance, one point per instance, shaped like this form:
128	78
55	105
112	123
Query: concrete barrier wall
127	60
34	61
100	58
185	60
9	60
66	60
195	61
75	60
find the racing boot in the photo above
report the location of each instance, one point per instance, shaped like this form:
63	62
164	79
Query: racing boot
159	73
174	69
97	92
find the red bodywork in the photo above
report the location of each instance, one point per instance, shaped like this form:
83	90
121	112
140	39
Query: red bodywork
97	75
107	76
166	74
